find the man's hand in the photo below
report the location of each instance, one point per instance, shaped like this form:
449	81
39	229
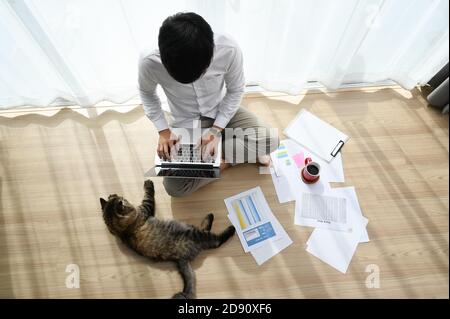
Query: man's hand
209	143
167	144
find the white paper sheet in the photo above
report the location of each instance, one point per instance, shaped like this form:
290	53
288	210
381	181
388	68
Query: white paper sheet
280	158
264	253
315	134
281	187
271	248
364	235
334	247
337	248
275	165
333	214
350	194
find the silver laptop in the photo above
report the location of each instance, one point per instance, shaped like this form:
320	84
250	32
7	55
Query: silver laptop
188	162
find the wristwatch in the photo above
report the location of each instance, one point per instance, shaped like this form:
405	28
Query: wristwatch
215	131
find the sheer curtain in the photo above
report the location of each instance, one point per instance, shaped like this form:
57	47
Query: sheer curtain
86	51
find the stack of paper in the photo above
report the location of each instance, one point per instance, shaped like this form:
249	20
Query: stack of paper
333	212
337	247
288	160
259	231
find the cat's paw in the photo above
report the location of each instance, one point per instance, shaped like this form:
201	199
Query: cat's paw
207	222
230	230
148	185
228	233
180	295
210	219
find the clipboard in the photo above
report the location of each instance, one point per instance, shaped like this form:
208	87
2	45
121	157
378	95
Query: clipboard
316	135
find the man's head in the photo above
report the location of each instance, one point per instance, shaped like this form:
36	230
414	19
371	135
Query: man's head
186	45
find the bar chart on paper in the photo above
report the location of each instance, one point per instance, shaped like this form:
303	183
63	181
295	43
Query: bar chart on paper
256	226
253	219
247	211
280	159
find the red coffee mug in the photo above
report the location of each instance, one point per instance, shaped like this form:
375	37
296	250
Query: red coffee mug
311	172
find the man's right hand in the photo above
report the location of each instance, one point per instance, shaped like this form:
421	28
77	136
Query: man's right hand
167	144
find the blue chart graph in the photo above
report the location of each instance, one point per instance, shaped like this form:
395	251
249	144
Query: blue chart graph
247	211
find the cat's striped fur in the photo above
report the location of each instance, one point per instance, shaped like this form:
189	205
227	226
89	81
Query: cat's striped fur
161	240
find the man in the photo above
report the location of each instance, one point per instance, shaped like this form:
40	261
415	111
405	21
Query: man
203	79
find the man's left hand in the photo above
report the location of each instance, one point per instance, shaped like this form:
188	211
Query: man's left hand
209	143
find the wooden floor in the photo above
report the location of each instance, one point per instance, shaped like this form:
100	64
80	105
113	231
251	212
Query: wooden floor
53	169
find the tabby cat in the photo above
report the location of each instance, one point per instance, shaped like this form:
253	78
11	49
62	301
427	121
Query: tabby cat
161	240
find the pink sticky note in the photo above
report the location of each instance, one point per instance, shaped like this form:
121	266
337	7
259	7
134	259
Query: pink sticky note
299	159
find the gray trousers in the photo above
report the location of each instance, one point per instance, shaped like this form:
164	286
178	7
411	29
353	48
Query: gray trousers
257	139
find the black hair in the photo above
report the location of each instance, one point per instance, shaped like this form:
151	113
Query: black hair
186	46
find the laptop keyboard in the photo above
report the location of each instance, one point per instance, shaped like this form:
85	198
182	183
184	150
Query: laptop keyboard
188	153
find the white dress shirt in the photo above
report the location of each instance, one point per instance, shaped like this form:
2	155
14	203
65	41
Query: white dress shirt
216	94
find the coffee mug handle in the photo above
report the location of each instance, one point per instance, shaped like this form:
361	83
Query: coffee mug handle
308	160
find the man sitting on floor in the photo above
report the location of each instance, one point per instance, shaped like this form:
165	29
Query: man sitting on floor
203	79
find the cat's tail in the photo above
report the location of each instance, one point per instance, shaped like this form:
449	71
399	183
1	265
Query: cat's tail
211	240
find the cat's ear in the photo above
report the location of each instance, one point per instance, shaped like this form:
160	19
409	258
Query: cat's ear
103	203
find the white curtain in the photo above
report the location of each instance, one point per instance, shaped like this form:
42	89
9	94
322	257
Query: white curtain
86	51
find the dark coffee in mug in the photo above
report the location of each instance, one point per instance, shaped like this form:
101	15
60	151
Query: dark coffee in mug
310	173
312	169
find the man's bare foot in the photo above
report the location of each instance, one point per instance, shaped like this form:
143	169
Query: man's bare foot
224	165
264	160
